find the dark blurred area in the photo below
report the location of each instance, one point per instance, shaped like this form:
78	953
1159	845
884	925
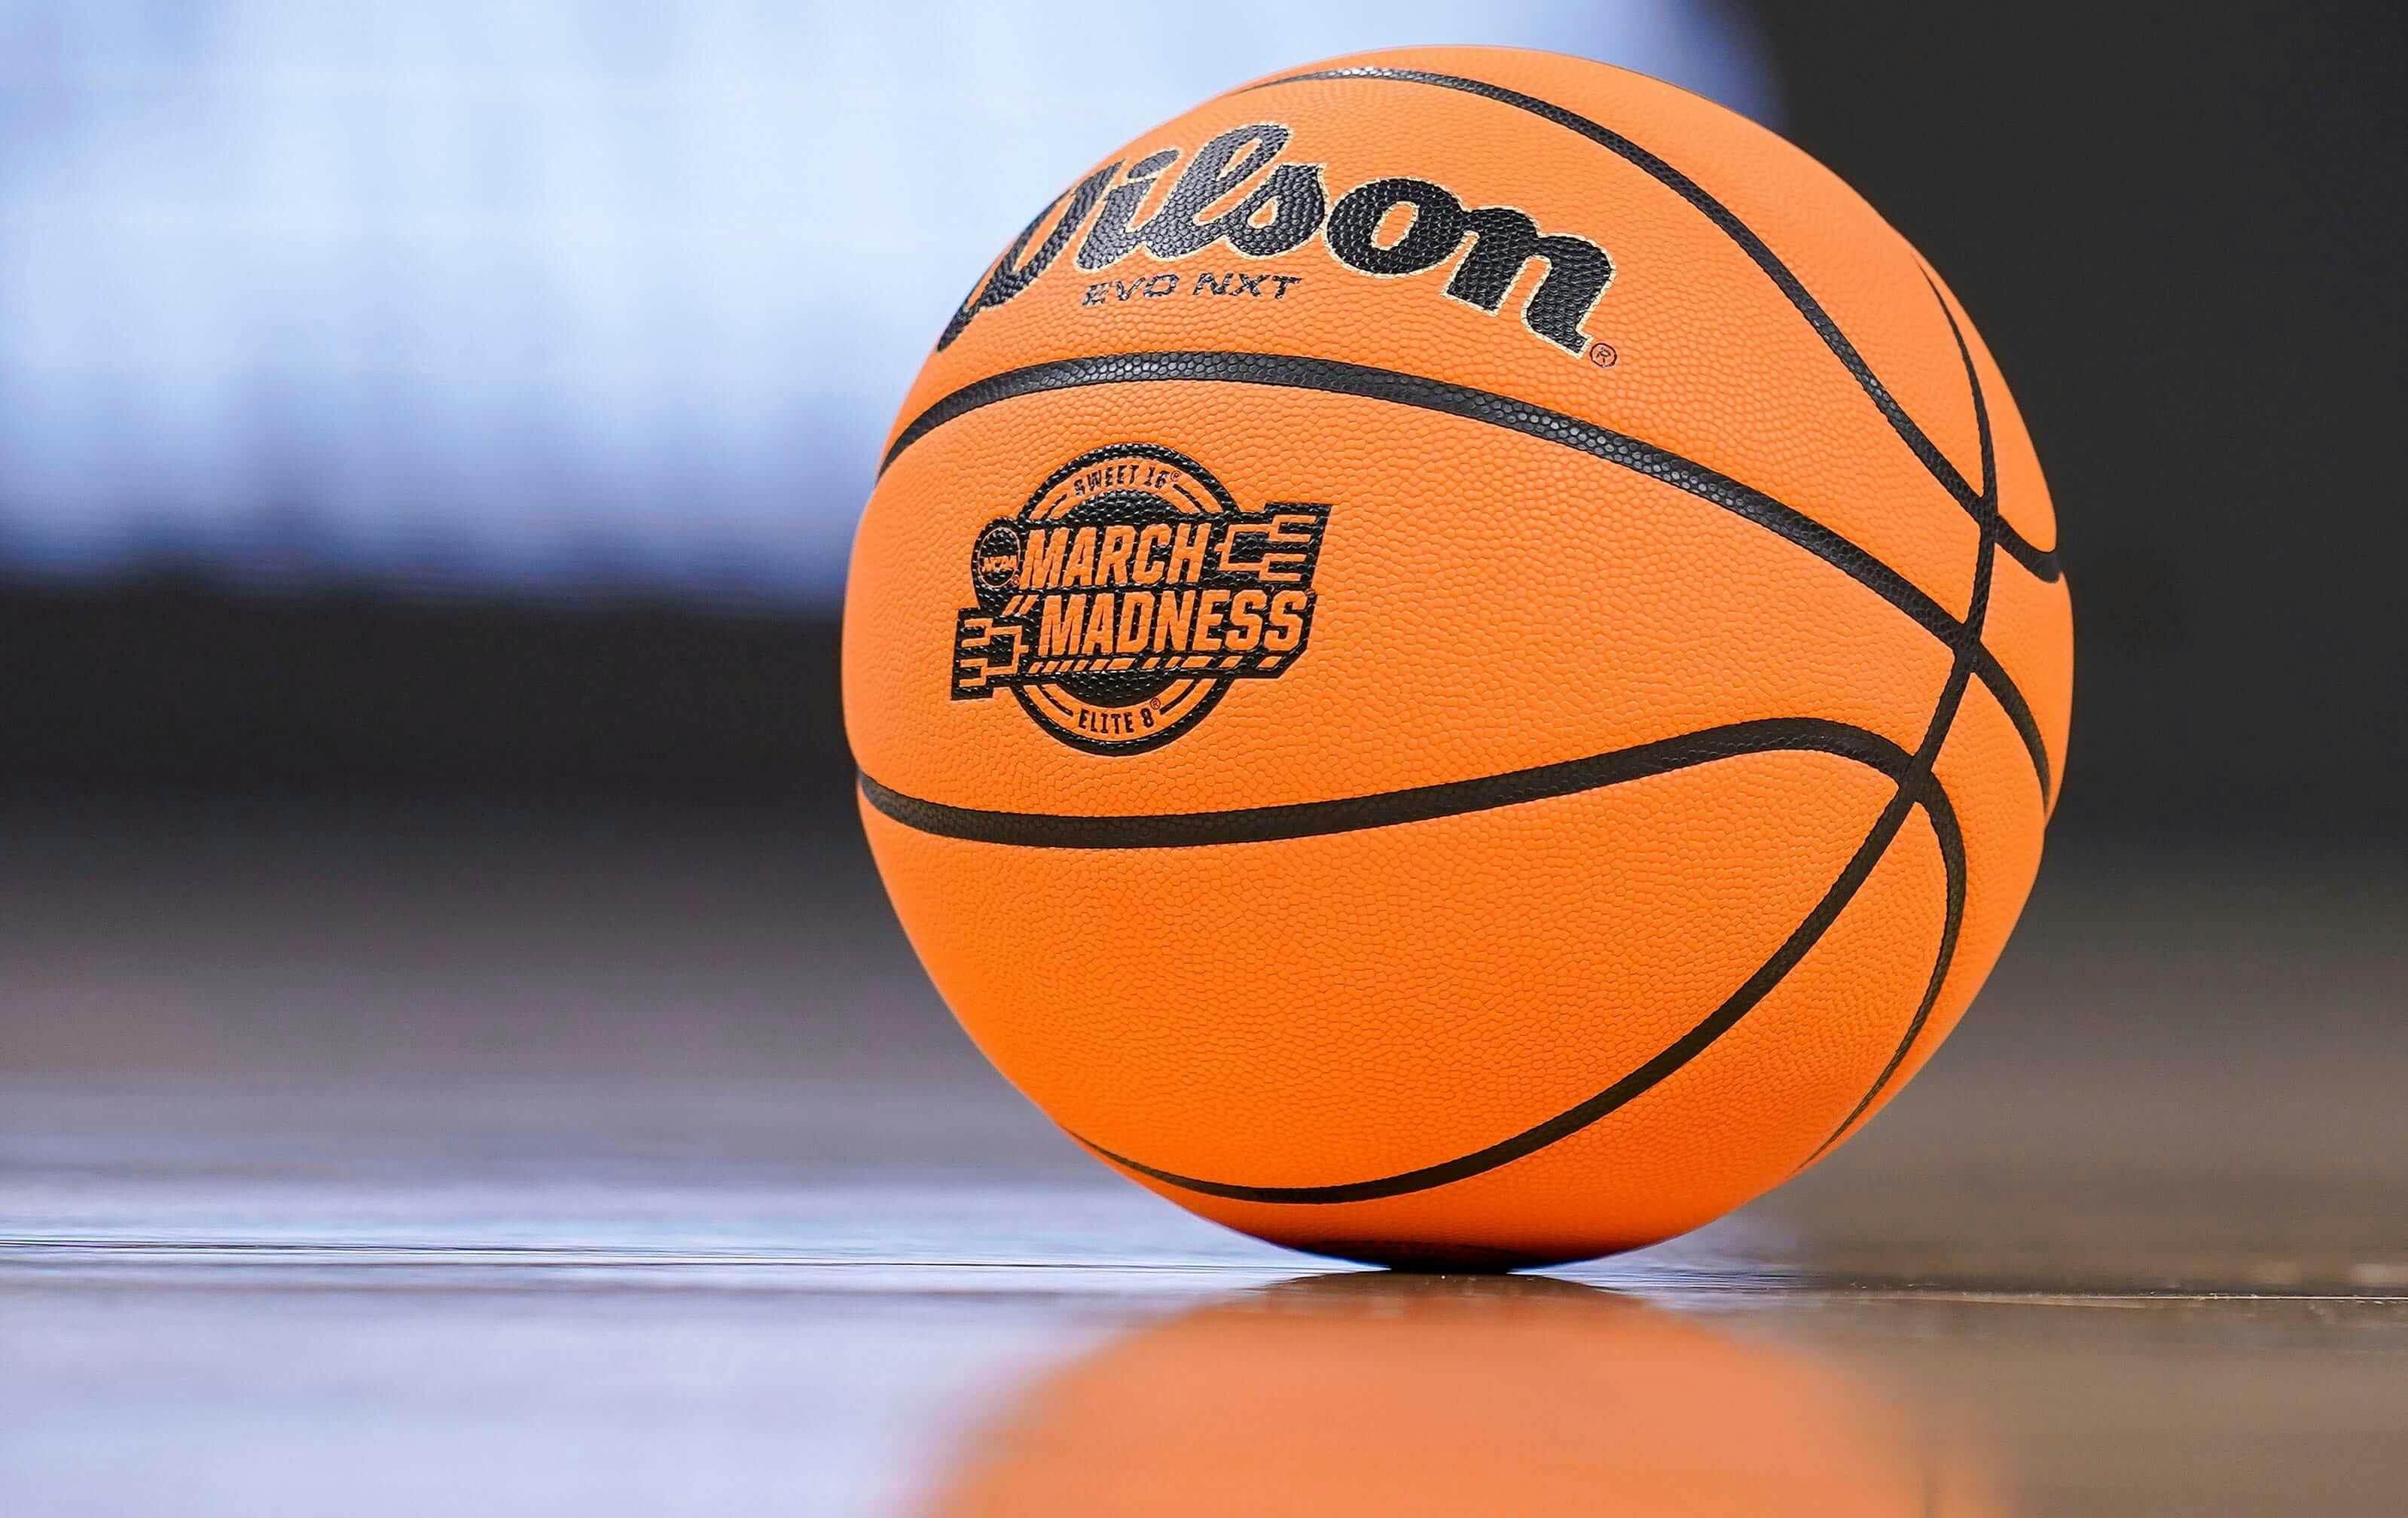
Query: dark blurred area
184	687
2179	230
2180	234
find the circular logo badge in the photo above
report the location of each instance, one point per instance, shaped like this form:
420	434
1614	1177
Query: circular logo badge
1129	594
995	563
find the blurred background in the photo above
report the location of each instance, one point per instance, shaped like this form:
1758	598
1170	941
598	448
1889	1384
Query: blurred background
430	437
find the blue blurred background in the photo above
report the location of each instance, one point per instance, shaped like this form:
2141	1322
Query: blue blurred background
564	297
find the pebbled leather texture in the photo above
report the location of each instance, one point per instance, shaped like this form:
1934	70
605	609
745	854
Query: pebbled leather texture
1671	716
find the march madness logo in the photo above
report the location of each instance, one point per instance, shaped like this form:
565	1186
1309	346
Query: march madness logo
1130	594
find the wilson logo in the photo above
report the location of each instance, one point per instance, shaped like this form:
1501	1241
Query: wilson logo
1386	227
1129	592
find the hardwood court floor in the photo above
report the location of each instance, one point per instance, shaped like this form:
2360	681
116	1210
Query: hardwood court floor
450	1163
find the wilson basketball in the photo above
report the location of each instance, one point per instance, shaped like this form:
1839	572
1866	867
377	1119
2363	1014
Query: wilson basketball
1457	660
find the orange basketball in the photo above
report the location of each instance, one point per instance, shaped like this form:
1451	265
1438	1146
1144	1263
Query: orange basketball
1457	659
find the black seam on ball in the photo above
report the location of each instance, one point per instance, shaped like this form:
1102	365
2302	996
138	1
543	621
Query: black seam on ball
1336	377
1256	825
1956	862
2041	562
1386	808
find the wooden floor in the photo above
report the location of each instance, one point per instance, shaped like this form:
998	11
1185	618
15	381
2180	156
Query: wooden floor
449	1164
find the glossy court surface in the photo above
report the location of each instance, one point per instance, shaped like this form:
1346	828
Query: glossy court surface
477	1164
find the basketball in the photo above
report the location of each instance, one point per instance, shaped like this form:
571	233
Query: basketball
1457	660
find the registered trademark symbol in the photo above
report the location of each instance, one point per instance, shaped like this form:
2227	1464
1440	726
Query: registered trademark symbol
1602	355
